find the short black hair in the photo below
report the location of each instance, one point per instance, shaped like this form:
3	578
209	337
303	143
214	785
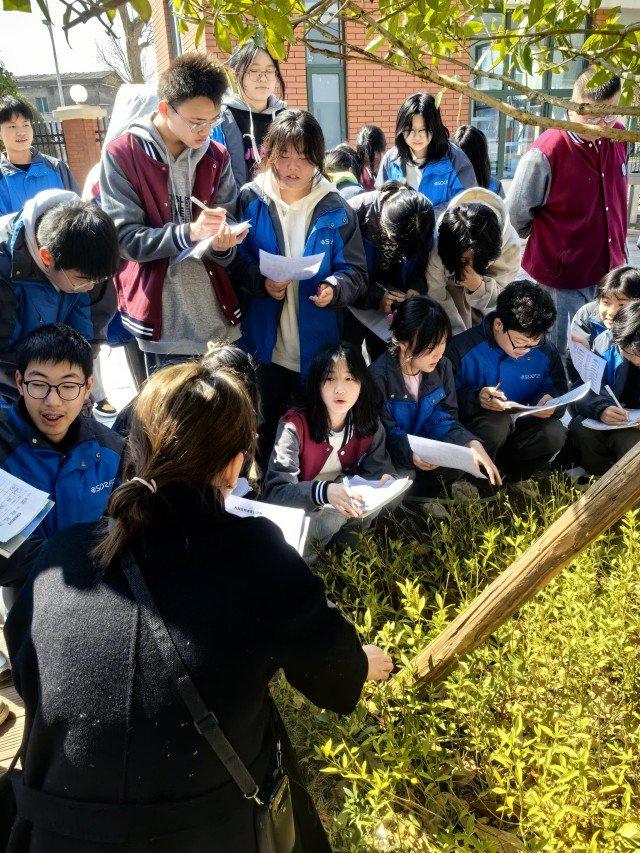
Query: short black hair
472	226
192	75
55	343
625	329
603	92
298	129
10	106
525	307
424	105
81	237
623	281
369	142
474	144
242	59
342	158
363	417
421	323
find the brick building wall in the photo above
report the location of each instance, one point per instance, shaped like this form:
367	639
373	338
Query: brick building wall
373	94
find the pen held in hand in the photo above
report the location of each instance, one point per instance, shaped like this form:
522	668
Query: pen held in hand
614	398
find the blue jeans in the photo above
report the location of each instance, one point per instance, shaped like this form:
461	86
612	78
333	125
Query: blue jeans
567	302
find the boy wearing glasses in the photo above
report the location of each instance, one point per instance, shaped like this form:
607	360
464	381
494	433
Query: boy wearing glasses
569	197
46	442
148	178
507	358
52	253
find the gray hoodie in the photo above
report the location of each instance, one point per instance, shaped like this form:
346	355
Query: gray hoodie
232	135
191	314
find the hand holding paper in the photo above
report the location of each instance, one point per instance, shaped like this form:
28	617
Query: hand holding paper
281	268
445	454
589	365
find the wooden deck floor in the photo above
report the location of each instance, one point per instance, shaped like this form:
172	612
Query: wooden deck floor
11	729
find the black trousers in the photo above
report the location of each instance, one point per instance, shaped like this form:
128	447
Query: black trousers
356	332
278	387
519	448
599	450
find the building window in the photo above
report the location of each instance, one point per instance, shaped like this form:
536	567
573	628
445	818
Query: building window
326	84
509	139
42	104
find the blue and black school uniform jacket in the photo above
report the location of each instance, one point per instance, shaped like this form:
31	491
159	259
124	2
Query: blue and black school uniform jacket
29	300
333	230
441	179
616	372
433	415
405	276
19	185
479	362
79	480
496	186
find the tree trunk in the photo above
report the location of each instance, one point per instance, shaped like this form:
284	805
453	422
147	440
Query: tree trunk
601	506
132	33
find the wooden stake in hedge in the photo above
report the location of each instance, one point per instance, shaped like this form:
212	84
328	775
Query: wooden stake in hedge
605	502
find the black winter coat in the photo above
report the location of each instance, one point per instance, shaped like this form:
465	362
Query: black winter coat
104	725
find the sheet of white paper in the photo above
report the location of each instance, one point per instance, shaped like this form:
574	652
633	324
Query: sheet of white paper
590	365
570	397
281	268
242	488
634	420
12	545
291	521
376	496
198	249
20	503
444	454
376	321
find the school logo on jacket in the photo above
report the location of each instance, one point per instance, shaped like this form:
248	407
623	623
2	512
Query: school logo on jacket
100	487
531	376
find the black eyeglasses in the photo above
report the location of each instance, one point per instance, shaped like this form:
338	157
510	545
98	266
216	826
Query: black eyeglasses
40	390
525	347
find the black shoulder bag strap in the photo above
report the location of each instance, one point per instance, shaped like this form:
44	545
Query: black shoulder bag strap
204	719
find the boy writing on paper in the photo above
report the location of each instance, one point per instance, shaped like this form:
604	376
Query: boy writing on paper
148	177
601	449
507	358
47	443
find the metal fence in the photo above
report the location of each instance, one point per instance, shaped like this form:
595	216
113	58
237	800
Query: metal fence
101	129
49	139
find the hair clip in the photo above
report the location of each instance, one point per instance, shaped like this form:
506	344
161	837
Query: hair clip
150	485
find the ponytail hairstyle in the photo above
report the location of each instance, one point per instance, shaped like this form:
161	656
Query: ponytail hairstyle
474	144
189	422
363	417
421	323
371	143
296	129
425	105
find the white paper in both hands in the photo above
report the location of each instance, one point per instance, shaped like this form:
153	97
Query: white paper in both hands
291	521
570	397
281	268
445	454
376	496
375	321
20	503
634	420
589	365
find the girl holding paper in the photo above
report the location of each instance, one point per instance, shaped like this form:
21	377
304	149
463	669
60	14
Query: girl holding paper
418	391
610	408
294	213
335	433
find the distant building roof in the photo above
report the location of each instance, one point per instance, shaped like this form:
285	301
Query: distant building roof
68	77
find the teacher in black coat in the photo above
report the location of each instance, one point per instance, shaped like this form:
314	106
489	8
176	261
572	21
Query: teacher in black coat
111	757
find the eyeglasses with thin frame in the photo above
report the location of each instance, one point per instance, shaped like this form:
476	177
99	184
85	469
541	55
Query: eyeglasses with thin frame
525	347
199	126
268	74
86	285
38	389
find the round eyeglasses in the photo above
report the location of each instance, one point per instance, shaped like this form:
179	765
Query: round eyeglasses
40	390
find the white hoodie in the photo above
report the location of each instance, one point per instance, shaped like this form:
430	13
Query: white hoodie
459	304
295	220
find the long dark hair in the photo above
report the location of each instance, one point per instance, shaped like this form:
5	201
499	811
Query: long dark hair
474	144
298	129
363	417
622	280
425	105
369	142
242	59
472	226
421	323
625	329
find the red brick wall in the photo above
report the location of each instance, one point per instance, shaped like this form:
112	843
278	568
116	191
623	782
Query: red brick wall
161	24
83	150
373	94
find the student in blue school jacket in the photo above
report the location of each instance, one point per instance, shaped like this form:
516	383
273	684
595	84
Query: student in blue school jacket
294	211
24	171
46	441
423	157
